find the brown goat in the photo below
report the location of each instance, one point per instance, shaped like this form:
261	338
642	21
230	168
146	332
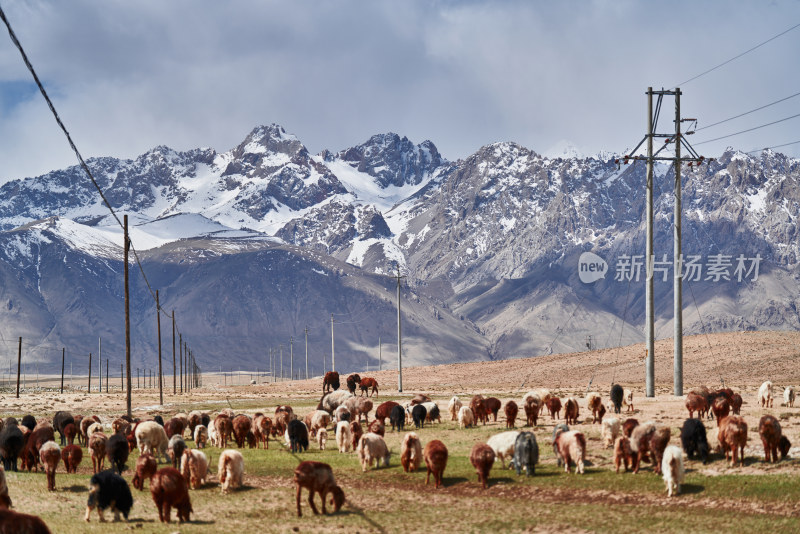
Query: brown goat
736	403
623	453
640	443
532	412
169	489
224	427
770	431
174	426
377	427
384	409
492	406
97	444
356	431
11	521
696	403
410	452
70	431
571	411
317	477
658	442
554	407
368	384
241	426
435	455
732	437
511	411
146	467
628	426
261	427
482	458
721	407
478	408
72	456
50	456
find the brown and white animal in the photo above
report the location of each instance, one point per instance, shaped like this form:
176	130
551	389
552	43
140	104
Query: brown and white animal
640	443
72	456
200	436
356	432
169	489
230	470
410	452
623	453
732	438
363	407
320	419
343	436
146	467
377	427
554	407
453	407
627	399
224	428
788	396
696	403
571	411
765	395
672	469
194	467
658	443
322	438
317	477
503	445
478	409
511	410
610	432
261	428
97	444
151	438
435	455
482	458
572	448
465	417
769	429
720	407
371	448
50	455
532	411
594	403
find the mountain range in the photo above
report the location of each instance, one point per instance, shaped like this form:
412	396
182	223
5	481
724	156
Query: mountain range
253	246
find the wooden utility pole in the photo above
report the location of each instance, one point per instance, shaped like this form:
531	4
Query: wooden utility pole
160	372
650	370
63	354
399	337
89	384
127	321
121	377
19	364
174	377
291	357
180	347
281	350
306	352
106	374
333	351
100	363
677	280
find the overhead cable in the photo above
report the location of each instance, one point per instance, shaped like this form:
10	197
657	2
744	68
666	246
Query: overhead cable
748	112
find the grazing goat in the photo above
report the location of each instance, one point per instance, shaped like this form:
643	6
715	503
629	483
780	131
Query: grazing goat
317	477
732	438
146	467
617	396
435	455
571	411
117	452
397	418
201	436
261	428
482	458
694	439
72	456
223	427
640	443
432	412
50	454
410	452
384	410
658	442
594	403
320	419
175	449
465	417
11	444
418	413
70	431
356	432
298	435
453	407
769	429
721	407
610	431
363	407
343	436
526	453
736	403
230	470
5	500
377	427
322	438
152	438
492	406
13	522
623	453
531	412
511	410
503	445
60	420
35	440
696	403
120	426
332	400
97	444
241	426
478	409
628	425
353	381
330	381
419	398
765	395
371	448
627	399
554	407
788	396
342	413
194	467
108	490
369	386
174	426
169	489
672	469
571	448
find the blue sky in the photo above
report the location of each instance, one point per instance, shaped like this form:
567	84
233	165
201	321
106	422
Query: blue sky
127	76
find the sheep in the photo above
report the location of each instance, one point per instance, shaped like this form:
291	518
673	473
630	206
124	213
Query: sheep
108	490
410	452
572	447
617	396
610	432
733	437
261	428
482	458
223	429
526	453
435	455
50	454
200	436
377	427
322	438
465	417
5	500
640	443
721	407
320	419
343	436
658	442
627	399
298	435
418	413
384	410
152	438
694	440
169	489
453	407
230	469
11	444
554	407
432	411
571	411
241	426
72	456
146	467
672	469
511	410
356	432
317	477
478	409
764	397
194	467
330	401
117	452
532	412
503	445
769	429
371	447
628	425
16	522
623	453
97	444
788	396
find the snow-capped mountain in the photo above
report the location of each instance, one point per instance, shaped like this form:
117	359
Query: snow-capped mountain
490	244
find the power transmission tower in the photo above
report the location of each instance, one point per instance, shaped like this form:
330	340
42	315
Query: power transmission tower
399	335
678	140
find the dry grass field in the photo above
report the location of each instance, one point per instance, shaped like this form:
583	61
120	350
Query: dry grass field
756	496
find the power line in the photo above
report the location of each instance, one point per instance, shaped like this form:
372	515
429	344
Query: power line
737	57
748	112
748	130
771	147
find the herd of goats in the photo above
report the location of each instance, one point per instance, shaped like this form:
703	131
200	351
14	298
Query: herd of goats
31	443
